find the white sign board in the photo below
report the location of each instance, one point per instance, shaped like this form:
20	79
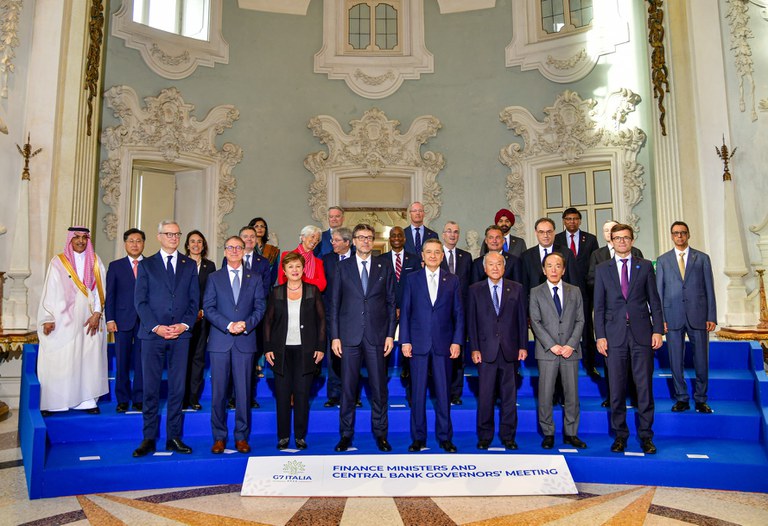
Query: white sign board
407	475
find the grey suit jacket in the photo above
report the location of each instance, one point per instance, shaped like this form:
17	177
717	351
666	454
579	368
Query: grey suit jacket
551	329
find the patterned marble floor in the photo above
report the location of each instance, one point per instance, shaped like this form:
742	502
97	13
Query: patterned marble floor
222	506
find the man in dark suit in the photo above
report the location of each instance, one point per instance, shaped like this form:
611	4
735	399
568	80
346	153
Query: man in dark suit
604	254
686	287
628	327
498	337
494	240
459	263
505	220
363	328
335	220
581	245
431	333
341	241
416	233
531	260
123	321
557	321
234	304
167	299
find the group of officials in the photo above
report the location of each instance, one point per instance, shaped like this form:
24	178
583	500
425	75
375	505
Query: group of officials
335	297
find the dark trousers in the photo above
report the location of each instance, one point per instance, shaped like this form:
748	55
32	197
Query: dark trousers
457	375
237	366
297	384
375	361
333	387
441	377
127	357
487	373
676	349
154	355
640	361
588	345
196	362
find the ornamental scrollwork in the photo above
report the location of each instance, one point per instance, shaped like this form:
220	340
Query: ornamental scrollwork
738	22
10	14
659	70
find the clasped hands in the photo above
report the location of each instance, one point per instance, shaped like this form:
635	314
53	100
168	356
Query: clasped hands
237	327
562	350
170	332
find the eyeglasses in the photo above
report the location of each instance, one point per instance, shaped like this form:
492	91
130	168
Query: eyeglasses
450	231
234	248
171	235
364	238
625	239
680	233
545	232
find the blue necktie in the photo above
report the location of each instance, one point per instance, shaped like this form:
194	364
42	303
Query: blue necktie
506	246
169	271
558	305
418	240
236	284
364	277
248	261
496	299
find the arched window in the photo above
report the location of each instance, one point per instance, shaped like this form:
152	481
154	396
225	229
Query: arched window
188	18
373	26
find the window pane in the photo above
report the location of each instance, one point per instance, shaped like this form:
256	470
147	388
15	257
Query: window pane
386	26
557	217
601	216
360	26
602	184
581	12
552	15
554	189
577	183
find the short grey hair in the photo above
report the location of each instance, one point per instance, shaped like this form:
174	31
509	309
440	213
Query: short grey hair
503	259
309	230
345	233
164	223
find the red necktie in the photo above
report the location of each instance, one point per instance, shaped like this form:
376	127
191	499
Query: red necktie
398	266
135	268
573	246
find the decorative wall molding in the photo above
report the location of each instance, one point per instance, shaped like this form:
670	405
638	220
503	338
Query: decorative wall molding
10	13
462	6
574	132
286	7
568	57
374	146
93	67
165	129
172	56
738	22
659	70
369	75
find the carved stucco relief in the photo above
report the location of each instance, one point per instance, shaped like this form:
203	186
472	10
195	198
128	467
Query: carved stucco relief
574	132
374	146
166	129
10	14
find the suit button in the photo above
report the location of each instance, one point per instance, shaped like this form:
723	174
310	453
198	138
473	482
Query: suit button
301	326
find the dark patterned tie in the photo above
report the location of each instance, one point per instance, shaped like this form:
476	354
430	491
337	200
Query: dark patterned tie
418	240
169	271
364	277
496	299
573	246
558	305
451	262
624	278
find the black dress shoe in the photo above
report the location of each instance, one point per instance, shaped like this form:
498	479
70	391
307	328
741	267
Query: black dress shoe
605	403
331	402
456	400
195	405
175	444
45	413
145	448
93	410
510	444
122	407
283	443
231	403
679	407
415	446
343	444
301	443
575	442
648	446
483	444
548	442
619	445
448	446
359	403
594	373
138	406
383	445
703	407
255	404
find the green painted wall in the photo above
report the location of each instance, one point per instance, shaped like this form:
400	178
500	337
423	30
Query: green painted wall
269	78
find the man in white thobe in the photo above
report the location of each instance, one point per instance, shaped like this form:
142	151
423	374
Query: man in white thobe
72	355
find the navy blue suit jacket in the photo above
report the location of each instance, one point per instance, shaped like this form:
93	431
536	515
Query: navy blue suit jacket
220	309
410	245
432	328
324	246
641	311
506	333
410	264
533	272
587	245
159	302
260	265
463	261
355	315
512	268
691	299
118	301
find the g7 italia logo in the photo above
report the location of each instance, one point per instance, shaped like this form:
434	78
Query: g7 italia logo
293	470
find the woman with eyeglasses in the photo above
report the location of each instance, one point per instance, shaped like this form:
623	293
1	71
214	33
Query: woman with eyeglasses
294	339
313	266
196	248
